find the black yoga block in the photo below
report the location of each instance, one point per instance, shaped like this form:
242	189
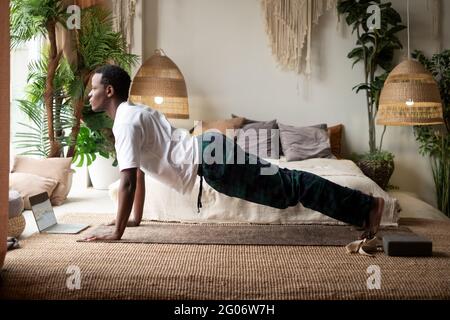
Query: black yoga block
407	246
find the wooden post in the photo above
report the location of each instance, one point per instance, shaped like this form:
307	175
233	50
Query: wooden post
4	125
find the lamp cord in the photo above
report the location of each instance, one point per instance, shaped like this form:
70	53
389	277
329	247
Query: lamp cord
409	36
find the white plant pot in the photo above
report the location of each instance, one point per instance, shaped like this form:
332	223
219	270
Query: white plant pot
102	172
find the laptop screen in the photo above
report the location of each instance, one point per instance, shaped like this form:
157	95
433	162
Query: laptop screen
42	211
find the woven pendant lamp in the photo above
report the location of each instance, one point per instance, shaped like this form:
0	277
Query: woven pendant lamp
410	96
160	85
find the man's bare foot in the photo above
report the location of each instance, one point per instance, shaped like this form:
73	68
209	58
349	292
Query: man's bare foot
372	226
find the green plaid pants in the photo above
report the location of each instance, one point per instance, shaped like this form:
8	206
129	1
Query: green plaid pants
235	173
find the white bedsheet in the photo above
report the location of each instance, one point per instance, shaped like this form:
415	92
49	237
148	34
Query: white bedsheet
164	204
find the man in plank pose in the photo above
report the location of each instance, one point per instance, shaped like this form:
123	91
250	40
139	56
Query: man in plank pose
146	143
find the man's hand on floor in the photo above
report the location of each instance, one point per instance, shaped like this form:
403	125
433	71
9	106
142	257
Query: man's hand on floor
103	235
130	223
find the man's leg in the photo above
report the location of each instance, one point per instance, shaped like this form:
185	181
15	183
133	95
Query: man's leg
286	188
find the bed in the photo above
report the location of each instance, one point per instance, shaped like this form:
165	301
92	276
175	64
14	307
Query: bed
165	204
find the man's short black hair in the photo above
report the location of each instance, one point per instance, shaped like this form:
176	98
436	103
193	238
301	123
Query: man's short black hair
116	77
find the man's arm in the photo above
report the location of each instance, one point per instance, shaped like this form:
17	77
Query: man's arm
139	197
127	191
138	204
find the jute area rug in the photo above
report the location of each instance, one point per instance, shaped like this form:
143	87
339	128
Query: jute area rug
249	234
46	267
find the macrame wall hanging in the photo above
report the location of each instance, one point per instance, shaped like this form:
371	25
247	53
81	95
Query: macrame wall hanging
124	12
435	6
289	27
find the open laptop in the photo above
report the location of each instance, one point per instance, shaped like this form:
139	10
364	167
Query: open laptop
46	219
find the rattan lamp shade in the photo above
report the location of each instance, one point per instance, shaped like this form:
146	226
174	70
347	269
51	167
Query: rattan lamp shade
160	85
410	82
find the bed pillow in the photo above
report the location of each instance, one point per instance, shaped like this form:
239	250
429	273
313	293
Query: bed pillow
219	126
301	143
246	120
28	185
263	124
335	134
53	168
256	137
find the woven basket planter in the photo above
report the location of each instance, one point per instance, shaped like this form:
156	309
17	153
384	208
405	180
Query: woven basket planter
380	171
16	226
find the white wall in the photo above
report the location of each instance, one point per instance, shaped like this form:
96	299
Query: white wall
222	49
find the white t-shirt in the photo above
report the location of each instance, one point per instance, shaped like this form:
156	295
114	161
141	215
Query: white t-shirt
146	140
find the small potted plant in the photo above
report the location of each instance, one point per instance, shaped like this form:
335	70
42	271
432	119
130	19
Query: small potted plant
375	49
379	166
95	148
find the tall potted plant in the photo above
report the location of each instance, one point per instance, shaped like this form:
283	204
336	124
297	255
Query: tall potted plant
32	18
56	121
34	140
435	141
96	44
375	49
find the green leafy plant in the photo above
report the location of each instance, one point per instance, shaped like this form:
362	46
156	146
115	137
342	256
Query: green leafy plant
30	19
434	141
97	45
35	140
375	156
89	145
378	166
375	49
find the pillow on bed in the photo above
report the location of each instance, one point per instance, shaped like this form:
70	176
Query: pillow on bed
335	134
220	126
256	137
301	143
264	125
246	120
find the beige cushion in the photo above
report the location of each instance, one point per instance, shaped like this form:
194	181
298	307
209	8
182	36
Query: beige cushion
28	185
220	126
54	168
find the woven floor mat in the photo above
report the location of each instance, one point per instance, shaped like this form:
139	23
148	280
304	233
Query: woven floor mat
46	267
